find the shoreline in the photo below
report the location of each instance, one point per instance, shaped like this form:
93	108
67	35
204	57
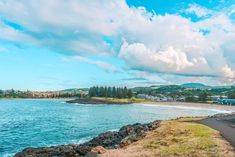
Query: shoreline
189	104
130	135
108	101
105	100
97	101
172	103
108	140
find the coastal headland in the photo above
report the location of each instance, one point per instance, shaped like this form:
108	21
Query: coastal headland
98	100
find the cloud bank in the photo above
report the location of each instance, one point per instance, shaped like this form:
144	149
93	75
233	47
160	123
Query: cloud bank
170	44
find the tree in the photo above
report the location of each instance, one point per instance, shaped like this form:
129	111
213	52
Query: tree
231	94
92	92
114	92
203	96
125	92
101	92
118	93
105	92
190	98
96	91
109	92
129	93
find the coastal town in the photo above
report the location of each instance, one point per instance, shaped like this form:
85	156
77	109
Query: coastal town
193	92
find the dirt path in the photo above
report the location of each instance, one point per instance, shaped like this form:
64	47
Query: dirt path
226	128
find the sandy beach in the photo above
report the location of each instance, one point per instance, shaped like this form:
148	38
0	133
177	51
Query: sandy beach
205	105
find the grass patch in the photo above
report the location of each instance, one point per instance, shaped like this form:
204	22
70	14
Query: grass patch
177	138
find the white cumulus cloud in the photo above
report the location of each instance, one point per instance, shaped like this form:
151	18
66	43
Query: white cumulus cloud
198	10
145	41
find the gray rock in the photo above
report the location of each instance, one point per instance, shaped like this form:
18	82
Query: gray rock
109	140
91	154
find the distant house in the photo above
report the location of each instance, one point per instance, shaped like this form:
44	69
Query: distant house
149	97
163	99
180	99
215	98
160	97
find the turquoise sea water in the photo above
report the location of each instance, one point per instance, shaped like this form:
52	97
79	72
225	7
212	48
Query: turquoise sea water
35	123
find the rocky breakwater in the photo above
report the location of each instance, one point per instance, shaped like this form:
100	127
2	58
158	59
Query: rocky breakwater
230	117
108	140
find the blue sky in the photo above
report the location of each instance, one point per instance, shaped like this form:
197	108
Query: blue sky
50	45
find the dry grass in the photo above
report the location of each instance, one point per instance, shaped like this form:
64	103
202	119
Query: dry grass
177	138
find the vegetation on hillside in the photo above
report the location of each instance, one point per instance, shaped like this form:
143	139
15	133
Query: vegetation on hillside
191	94
48	94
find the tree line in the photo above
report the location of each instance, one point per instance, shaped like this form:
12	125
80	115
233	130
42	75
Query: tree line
110	92
29	94
200	97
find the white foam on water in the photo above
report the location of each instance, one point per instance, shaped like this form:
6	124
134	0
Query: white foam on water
82	140
8	155
114	130
78	104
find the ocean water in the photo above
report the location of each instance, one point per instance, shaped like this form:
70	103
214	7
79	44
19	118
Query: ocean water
36	123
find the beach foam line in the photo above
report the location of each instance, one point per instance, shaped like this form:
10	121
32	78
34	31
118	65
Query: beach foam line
81	140
113	130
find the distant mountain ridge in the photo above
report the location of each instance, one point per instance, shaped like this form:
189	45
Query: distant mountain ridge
195	85
76	90
186	85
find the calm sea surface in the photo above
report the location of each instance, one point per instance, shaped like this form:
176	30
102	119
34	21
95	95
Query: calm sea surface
35	123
